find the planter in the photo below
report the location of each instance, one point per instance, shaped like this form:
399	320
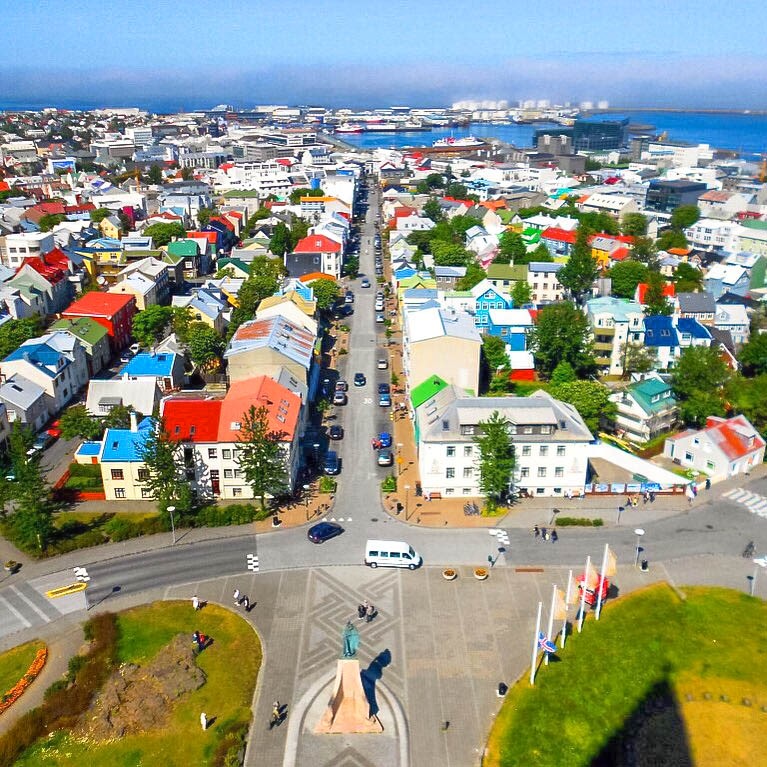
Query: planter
481	573
449	574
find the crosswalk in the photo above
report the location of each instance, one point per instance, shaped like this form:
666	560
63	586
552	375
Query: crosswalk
252	560
757	504
501	535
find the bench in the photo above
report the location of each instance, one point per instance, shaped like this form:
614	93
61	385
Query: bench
434	496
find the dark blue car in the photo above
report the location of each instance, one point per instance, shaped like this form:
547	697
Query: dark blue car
324	531
385	439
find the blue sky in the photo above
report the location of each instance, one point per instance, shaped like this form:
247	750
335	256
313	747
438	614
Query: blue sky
198	52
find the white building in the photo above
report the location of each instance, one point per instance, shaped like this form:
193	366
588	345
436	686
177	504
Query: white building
26	245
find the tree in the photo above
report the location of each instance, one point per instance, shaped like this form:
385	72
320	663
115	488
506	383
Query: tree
76	421
15	332
297	194
511	249
432	210
325	292
589	398
521	293
495	457
204	215
98	215
655	302
31	523
494	351
260	456
580	271
753	355
634	224
671	239
748	396
687	278
205	346
561	334
684	217
187	174
164	478
352	267
48	221
474	275
162	234
645	252
435	181
563	373
625	276
298	230
448	254
118	417
456	191
637	358
541	254
155	174
699	381
150	325
280	242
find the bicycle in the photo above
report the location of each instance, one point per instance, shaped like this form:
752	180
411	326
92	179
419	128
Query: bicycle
749	551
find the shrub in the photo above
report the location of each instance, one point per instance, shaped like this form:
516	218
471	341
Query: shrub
231	745
222	516
389	485
579	522
328	485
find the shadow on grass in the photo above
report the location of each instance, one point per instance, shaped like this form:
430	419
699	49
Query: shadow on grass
654	734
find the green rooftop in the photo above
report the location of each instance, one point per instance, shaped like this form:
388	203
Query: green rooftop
752	223
653	395
426	390
183	248
515	272
758	274
85	328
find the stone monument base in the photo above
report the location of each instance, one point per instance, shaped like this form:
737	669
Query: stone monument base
348	710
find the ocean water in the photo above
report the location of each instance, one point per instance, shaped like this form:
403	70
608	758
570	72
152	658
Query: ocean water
743	133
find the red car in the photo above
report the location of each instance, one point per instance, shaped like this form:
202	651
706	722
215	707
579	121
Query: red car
54	431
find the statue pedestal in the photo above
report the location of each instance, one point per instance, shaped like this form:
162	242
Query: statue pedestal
348	710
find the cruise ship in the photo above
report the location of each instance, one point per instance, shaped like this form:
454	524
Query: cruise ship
455	143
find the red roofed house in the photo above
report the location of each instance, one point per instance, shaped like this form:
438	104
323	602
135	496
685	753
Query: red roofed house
49	278
315	253
113	311
559	242
669	291
724	448
209	429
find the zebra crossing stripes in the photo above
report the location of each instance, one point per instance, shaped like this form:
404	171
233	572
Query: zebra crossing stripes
757	504
252	560
501	535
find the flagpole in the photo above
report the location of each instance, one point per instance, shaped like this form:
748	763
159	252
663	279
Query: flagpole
583	594
535	644
567	602
551	617
602	580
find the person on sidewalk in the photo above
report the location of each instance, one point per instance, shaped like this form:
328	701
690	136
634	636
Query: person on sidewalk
370	613
276	714
554	536
236	597
246	604
195	603
536	531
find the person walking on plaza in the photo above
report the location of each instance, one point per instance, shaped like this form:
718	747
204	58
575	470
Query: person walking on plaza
536	531
554	536
370	613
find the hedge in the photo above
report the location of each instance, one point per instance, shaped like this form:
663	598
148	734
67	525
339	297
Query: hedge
579	522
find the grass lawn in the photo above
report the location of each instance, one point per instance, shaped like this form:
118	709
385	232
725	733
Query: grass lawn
710	644
15	662
231	664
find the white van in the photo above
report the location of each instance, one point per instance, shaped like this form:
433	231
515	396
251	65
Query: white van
391	554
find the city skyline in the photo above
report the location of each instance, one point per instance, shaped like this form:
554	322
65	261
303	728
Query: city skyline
420	53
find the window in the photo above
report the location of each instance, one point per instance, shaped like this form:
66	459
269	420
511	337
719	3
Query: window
449	491
117	474
146	493
468	472
467	450
526	450
524	472
449	473
466	491
527	430
226	454
543	450
228	473
143	475
119	492
559	471
236	473
541	471
212	452
688	456
710	465
236	491
450	451
561	450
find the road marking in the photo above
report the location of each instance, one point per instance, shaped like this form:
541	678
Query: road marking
755	501
367	401
31	604
735	493
759	506
252	560
15	612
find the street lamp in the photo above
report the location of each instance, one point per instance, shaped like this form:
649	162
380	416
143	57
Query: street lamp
761	562
316	447
307	488
170	510
407	495
639	532
618	515
554	513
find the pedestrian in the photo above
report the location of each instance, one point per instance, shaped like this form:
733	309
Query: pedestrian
195	602
554	536
204	721
544	533
202	641
427	496
627	502
246	604
536	531
236	597
196	639
370	613
361	610
373	443
652	497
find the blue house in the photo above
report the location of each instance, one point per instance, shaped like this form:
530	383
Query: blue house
511	326
660	335
166	367
692	333
487	297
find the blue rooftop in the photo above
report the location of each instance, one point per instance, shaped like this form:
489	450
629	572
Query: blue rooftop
89	448
155	365
693	327
41	356
659	331
124	444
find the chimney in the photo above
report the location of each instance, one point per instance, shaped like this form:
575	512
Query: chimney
133	421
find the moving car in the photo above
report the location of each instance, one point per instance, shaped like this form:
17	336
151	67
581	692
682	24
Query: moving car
365	283
385	458
391	554
331	464
336	432
324	531
382	363
339	398
359	379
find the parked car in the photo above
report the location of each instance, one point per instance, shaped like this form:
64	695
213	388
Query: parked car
379	307
384	388
324	531
342	385
349	298
385	439
54	430
384	400
336	432
385	458
382	363
359	379
339	398
380	318
331	464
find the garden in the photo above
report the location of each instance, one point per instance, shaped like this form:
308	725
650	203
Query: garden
666	677
136	695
